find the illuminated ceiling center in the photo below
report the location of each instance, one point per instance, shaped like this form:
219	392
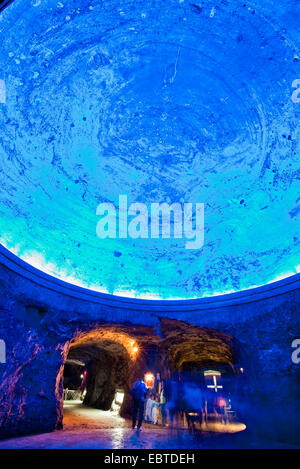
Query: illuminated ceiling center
163	101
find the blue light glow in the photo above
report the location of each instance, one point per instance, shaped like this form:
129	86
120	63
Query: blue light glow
164	101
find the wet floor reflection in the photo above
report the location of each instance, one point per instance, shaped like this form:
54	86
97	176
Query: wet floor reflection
90	428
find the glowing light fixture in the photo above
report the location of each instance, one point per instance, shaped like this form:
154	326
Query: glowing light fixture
135	348
215	375
149	380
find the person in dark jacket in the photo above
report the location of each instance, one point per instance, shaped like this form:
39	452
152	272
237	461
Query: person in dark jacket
138	394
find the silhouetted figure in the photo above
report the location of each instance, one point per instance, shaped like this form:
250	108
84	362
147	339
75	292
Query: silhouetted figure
192	404
172	396
163	403
138	394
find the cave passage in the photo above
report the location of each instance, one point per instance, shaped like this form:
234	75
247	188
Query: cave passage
190	375
97	370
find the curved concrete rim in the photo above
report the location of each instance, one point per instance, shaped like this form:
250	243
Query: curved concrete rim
26	271
5	4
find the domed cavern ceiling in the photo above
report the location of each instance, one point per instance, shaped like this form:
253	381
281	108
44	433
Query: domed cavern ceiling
163	101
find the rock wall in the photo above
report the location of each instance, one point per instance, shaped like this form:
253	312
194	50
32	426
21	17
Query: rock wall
39	316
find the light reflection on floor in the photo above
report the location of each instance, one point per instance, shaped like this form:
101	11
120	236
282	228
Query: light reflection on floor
78	416
85	427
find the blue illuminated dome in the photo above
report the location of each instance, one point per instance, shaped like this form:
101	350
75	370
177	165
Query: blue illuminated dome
164	101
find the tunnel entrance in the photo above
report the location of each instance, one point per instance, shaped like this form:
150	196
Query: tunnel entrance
98	368
207	382
191	373
207	396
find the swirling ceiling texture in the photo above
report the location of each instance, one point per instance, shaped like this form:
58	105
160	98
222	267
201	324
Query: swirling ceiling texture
163	101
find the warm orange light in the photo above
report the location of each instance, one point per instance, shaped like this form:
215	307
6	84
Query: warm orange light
134	346
107	335
149	380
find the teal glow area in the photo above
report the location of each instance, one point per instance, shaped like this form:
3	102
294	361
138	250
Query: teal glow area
164	102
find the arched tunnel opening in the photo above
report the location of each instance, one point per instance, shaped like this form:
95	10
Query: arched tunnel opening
96	374
207	380
101	366
98	368
191	374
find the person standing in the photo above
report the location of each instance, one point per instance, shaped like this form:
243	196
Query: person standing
163	402
138	394
148	409
155	410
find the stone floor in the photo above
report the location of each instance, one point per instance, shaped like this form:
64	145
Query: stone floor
91	428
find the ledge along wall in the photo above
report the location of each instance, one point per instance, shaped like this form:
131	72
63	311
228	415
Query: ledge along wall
39	315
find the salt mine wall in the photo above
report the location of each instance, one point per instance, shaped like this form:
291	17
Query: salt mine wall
39	315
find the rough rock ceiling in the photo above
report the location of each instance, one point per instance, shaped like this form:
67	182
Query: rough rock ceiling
177	343
185	343
164	101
